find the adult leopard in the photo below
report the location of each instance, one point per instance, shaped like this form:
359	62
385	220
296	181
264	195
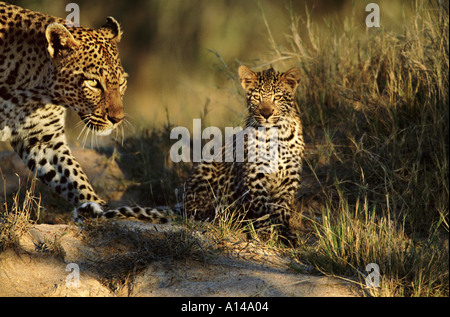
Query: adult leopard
46	67
263	188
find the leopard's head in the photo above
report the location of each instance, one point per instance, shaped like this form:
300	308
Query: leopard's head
87	75
270	95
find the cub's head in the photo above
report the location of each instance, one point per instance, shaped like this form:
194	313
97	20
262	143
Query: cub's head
270	94
88	76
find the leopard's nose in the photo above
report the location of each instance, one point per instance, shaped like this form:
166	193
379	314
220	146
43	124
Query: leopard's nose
115	119
115	114
114	109
267	113
266	110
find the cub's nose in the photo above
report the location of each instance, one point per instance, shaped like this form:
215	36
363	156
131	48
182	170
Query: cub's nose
266	113
266	109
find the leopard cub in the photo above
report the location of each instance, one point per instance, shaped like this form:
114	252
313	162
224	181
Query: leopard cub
261	187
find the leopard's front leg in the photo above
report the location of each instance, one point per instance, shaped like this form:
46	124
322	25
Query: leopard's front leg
46	153
270	206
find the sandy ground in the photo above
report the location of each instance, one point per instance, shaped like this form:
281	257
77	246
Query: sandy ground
57	260
32	271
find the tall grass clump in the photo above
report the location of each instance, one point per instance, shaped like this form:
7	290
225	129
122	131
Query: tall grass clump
377	101
16	217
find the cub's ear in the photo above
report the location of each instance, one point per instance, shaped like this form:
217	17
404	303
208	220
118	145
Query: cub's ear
248	78
292	78
59	40
111	30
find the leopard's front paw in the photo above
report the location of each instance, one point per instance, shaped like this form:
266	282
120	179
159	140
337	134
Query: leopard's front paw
87	210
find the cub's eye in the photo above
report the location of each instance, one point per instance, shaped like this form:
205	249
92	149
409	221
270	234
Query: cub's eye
93	84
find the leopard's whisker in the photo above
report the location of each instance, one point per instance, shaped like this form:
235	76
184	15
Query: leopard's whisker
93	134
79	124
127	115
82	130
94	139
88	130
123	134
119	137
97	142
128	124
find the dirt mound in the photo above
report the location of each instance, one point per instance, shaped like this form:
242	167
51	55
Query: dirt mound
58	260
130	258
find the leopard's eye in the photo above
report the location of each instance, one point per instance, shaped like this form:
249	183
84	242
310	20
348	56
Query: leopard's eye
277	97
256	97
123	80
93	84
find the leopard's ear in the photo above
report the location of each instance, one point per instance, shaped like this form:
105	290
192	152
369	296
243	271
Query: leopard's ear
248	78
59	40
292	78
112	30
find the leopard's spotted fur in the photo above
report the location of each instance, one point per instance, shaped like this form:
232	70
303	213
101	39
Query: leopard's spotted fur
47	66
264	189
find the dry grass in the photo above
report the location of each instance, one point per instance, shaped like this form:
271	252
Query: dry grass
17	217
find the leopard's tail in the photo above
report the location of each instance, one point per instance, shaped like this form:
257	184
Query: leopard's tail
153	215
162	214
